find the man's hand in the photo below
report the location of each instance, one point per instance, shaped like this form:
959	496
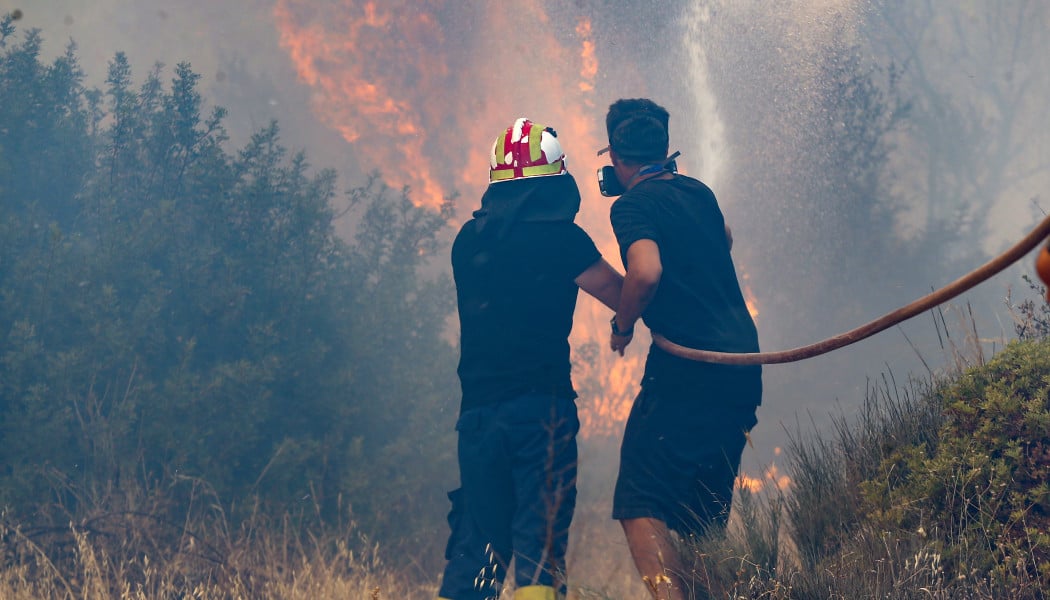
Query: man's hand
620	338
639	286
619	342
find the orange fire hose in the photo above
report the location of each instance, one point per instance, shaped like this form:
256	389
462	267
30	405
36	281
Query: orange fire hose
1012	255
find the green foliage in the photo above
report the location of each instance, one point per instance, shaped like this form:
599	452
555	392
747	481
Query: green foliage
936	489
981	490
1031	317
169	310
823	509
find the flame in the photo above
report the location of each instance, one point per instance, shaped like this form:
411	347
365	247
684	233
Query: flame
771	475
365	100
419	89
751	484
749	296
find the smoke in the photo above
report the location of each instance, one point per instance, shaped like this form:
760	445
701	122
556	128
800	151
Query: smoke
834	229
423	89
235	49
418	90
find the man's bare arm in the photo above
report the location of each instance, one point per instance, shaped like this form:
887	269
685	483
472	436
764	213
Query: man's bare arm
603	282
644	271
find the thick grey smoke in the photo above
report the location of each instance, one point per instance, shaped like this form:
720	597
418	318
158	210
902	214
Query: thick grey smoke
760	108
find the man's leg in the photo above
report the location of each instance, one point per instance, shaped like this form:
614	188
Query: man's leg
474	570
640	497
545	456
479	547
652	490
656	557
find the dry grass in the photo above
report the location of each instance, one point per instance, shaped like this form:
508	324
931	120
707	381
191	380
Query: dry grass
137	544
84	565
270	567
175	541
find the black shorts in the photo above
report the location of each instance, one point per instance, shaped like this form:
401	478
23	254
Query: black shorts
682	445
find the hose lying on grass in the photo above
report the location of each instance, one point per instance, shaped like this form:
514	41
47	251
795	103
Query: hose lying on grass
994	266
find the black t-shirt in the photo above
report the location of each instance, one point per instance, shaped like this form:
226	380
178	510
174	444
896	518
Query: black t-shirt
516	299
698	302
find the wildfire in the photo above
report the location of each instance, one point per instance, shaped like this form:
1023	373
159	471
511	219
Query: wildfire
589	68
420	88
377	104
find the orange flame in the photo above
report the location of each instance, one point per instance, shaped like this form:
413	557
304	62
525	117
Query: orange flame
772	476
421	88
749	296
362	98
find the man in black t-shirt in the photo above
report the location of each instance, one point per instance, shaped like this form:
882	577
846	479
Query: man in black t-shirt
518	266
688	425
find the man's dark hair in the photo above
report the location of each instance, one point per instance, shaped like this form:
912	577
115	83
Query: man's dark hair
640	139
624	108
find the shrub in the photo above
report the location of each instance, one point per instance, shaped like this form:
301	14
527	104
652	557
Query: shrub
981	491
937	489
172	310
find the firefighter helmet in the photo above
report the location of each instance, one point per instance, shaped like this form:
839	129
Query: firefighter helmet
525	149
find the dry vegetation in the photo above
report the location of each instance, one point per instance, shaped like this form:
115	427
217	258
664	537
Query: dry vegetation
94	563
140	556
936	490
111	384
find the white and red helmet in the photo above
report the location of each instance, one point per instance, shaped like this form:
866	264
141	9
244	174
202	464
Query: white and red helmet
526	150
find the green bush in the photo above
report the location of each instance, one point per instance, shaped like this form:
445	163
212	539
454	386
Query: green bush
170	311
936	489
981	491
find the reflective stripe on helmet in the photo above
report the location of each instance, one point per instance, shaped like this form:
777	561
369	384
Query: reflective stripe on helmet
501	149
533	171
535	150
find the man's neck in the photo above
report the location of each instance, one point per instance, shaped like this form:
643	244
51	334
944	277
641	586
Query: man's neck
636	178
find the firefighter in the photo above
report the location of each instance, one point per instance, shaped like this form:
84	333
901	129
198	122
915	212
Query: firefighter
518	265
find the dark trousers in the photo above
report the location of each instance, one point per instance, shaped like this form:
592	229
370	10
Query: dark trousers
517	462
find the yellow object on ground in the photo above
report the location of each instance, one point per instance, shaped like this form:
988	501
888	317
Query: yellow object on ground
535	592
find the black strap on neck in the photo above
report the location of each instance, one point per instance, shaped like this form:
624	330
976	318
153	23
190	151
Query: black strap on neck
667	166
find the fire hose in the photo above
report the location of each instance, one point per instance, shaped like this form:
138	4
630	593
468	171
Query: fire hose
968	281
